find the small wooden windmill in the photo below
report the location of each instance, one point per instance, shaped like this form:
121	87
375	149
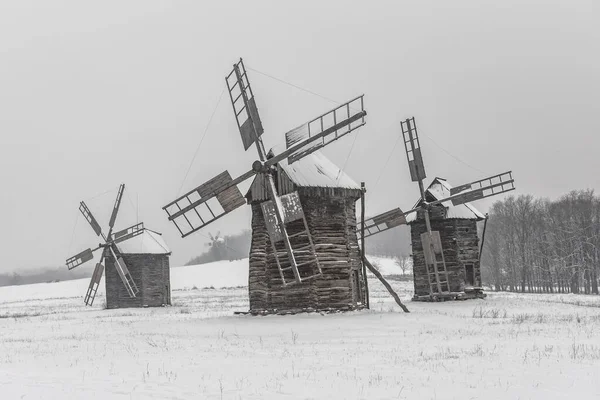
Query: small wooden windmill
434	277
296	259
148	260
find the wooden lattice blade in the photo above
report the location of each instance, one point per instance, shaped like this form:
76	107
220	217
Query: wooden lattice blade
113	216
383	222
196	209
291	210
322	130
244	105
87	214
79	259
412	147
94	283
128	233
480	189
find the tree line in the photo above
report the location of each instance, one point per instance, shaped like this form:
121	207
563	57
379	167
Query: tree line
543	246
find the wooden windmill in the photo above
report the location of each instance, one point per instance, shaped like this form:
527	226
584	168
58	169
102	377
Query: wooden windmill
438	280
152	257
296	259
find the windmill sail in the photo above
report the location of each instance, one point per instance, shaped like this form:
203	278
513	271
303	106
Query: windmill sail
192	211
128	233
79	259
482	188
113	216
383	222
90	218
413	150
321	131
244	105
94	283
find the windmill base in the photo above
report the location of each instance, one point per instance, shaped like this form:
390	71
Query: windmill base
328	310
475	294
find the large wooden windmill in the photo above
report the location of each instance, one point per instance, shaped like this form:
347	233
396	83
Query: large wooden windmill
442	235
147	258
295	254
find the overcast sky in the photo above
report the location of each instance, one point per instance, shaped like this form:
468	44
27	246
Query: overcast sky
95	94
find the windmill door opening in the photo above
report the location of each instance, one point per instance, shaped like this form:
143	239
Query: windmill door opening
469	275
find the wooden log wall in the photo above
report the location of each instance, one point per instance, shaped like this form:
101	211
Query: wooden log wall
460	244
330	214
151	274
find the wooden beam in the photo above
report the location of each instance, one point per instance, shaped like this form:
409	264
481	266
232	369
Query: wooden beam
386	284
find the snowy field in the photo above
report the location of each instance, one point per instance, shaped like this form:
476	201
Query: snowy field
509	346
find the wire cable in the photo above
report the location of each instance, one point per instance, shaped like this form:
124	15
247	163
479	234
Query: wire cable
294	86
337	179
453	156
201	140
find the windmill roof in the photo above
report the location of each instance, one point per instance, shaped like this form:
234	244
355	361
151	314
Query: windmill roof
316	170
440	189
147	242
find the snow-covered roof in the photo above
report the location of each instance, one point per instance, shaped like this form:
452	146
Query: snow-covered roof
440	189
147	242
316	170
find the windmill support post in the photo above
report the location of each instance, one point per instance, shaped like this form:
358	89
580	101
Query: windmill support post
386	284
362	243
483	236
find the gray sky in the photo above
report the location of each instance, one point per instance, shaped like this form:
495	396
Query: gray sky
92	95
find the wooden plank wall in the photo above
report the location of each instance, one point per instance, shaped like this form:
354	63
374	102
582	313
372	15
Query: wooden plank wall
330	214
460	244
151	274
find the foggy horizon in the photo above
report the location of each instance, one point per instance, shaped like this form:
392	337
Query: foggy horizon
122	92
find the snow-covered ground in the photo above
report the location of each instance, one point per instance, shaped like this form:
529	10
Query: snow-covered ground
508	346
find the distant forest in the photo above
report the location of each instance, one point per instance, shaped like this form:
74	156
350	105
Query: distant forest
537	245
43	275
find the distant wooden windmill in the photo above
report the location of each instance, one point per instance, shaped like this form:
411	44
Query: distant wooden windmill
134	254
218	245
293	251
444	237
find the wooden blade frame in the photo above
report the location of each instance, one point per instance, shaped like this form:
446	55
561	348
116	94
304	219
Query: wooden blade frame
321	131
482	188
185	212
113	216
128	233
383	222
87	214
80	258
244	105
413	149
94	283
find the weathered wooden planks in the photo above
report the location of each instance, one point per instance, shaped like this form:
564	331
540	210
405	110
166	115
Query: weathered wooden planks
460	246
152	276
330	214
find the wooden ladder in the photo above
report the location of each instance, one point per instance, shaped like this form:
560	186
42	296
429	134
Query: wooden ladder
123	272
304	251
434	276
